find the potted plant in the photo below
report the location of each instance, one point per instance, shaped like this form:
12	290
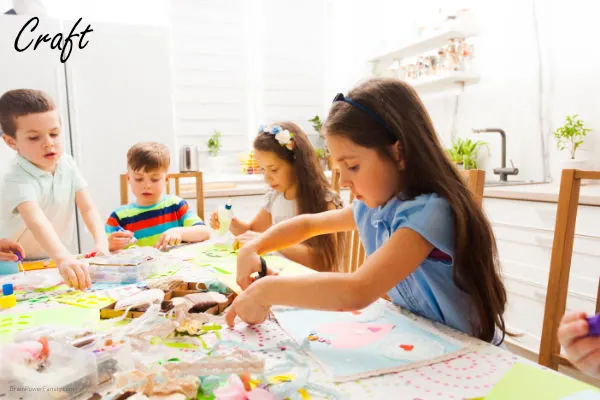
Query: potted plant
214	160
465	152
569	137
322	150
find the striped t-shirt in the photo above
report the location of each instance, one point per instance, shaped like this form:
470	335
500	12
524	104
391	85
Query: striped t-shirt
149	222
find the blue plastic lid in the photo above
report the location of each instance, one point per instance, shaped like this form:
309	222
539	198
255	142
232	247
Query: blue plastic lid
7	289
228	205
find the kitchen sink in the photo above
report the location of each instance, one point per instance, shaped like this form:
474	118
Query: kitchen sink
509	183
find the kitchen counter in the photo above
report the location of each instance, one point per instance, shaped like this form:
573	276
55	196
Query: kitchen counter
228	185
542	192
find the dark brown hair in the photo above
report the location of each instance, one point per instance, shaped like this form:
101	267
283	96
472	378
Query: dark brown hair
20	102
148	157
427	169
313	188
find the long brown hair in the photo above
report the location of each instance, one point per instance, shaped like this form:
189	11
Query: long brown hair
313	188
399	115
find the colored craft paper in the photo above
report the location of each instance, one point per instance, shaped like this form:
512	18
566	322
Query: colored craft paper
526	382
369	342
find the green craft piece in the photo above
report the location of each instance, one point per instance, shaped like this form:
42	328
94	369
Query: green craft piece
525	382
61	315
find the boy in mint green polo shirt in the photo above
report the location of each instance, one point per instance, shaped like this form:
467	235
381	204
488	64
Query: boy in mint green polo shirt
43	185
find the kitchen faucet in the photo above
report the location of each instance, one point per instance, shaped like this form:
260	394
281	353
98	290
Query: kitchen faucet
502	171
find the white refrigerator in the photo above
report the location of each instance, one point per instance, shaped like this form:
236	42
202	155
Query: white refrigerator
115	92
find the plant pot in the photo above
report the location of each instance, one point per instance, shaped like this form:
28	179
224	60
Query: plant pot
570	163
323	163
215	164
575	164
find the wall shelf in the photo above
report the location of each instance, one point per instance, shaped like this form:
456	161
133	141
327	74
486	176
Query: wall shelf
439	83
428	43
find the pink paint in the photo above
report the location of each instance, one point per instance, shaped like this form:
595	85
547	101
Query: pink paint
349	335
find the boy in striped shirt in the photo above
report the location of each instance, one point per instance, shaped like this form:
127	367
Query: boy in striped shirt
154	219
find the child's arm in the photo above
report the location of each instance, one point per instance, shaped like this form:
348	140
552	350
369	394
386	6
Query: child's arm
390	264
304	254
175	236
92	220
73	271
191	229
582	351
288	233
260	223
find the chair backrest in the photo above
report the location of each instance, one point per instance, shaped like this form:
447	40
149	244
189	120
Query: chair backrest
560	265
474	178
175	179
335	179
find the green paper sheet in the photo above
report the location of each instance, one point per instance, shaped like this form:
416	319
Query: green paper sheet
528	382
62	315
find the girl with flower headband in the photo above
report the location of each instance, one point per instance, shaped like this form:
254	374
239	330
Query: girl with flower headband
429	244
297	186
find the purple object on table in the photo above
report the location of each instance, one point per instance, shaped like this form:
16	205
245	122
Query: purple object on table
594	324
19	256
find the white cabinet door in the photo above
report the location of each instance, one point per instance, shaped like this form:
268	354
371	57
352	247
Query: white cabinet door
120	93
524	233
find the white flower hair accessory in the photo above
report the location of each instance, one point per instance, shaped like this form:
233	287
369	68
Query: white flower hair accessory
283	136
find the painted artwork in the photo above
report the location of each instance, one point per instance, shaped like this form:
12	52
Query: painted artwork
368	342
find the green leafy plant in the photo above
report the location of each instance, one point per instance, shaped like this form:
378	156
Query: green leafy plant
214	144
570	135
322	150
465	152
317	124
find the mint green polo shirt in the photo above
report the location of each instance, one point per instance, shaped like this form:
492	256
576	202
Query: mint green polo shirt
54	193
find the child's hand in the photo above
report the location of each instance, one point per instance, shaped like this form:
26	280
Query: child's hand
119	240
214	220
236	225
100	249
582	351
171	237
248	263
75	273
249	306
8	249
246	237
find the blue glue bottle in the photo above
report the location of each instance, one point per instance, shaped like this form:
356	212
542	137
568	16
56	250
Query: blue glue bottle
8	298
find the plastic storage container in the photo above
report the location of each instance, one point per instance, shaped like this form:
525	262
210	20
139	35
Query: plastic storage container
120	274
69	374
9	267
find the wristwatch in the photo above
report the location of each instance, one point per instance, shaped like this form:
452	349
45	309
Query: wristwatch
263	268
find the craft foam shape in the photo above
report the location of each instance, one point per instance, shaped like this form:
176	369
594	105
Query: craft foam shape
84	299
145	297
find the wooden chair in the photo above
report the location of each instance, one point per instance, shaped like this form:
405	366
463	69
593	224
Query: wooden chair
474	178
560	265
335	179
199	183
355	251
